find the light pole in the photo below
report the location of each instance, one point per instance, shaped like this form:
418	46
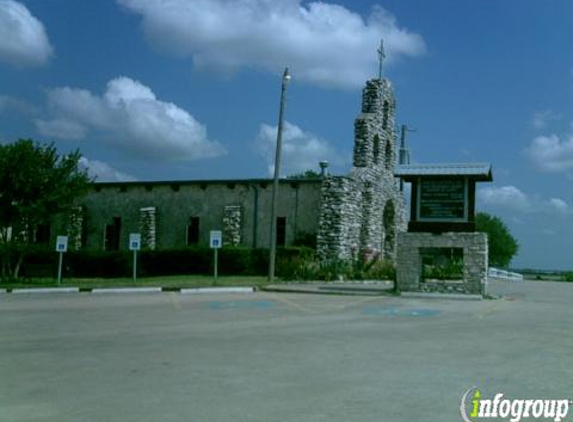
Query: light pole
273	245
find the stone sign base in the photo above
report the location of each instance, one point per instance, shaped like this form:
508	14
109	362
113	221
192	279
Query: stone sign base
472	248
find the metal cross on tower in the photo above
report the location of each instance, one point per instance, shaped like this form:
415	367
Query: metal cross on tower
381	57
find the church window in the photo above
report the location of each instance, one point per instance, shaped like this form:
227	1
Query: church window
389	224
385	112
193	231
112	235
281	231
376	148
42	235
389	156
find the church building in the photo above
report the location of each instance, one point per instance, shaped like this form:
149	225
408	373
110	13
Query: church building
351	216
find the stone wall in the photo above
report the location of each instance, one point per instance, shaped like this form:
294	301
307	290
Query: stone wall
147	227
232	225
174	203
409	262
354	219
75	230
339	225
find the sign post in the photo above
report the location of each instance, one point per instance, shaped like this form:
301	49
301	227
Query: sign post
61	247
134	245
215	241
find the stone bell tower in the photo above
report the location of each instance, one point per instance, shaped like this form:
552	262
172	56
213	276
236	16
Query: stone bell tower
362	212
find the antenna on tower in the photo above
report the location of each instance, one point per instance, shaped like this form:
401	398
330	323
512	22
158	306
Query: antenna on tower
404	157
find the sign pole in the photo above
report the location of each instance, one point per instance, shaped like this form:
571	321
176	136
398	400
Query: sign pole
216	264
215	242
61	247
134	265
134	245
60	268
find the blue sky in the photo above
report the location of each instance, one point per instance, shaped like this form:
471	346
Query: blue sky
189	89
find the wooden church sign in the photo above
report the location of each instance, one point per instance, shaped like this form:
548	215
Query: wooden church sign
443	195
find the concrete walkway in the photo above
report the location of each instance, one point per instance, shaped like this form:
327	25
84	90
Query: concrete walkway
351	288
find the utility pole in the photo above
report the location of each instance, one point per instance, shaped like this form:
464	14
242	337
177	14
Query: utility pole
404	156
273	245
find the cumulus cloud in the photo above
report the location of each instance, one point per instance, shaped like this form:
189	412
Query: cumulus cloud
130	117
551	154
23	39
103	172
61	128
505	196
323	43
301	150
542	118
512	198
559	205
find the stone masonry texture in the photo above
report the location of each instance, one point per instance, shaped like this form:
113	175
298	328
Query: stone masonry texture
362	213
409	262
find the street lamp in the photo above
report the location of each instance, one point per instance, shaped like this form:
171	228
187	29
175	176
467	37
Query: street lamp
273	245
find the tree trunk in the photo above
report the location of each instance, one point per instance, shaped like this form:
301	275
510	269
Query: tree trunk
18	265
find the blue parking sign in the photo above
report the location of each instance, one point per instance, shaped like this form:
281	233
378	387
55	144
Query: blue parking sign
215	239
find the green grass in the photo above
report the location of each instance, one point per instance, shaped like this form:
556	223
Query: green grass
166	281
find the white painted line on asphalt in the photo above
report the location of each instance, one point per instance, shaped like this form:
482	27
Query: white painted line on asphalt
128	290
48	290
452	296
203	290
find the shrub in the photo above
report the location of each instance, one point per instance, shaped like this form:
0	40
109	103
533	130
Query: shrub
194	260
308	268
97	264
305	239
39	262
189	260
236	261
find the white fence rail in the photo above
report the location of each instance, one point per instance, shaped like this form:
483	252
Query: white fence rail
504	275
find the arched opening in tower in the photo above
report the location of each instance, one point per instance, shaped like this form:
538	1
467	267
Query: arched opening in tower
389	222
388	155
385	111
376	149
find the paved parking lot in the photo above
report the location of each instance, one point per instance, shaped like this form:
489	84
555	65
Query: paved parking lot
278	357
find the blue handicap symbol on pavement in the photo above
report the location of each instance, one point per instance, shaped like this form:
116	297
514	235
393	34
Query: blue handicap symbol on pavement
399	312
242	304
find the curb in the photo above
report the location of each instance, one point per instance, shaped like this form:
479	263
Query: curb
128	290
47	290
2	291
203	290
451	296
370	288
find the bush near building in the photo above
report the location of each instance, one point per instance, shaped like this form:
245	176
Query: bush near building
191	260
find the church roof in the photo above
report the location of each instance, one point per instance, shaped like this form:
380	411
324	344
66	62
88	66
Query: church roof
478	171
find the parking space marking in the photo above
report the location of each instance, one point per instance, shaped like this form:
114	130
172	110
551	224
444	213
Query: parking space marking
293	304
356	302
400	312
241	304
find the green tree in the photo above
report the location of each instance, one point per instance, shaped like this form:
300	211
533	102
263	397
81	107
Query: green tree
502	245
35	185
308	174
